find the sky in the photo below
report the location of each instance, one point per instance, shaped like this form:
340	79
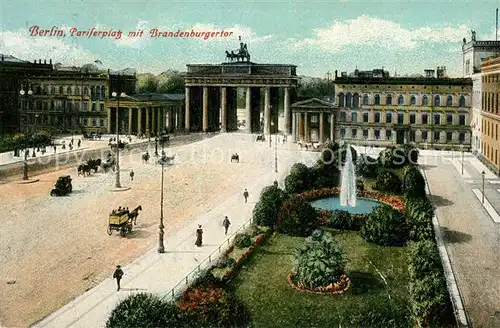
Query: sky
404	37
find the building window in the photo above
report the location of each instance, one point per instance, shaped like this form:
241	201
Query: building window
365	117
77	91
85	106
436	135
68	91
365	134
437	100
412	118
342	117
377	99
93	107
425	119
449	119
437	119
388	101
462	101
467	66
366	100
355	101
53	90
341	100
377	134
449	101
412	136
85	91
342	133
354	133
102	109
449	136
377	117
388	117
354	117
61	90
401	100
388	134
461	137
400	118
424	135
461	119
413	100
348	100
94	123
103	92
314	118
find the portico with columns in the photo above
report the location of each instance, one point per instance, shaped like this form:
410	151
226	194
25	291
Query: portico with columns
313	121
147	114
211	96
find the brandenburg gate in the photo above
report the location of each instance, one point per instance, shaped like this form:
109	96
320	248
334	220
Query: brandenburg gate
211	94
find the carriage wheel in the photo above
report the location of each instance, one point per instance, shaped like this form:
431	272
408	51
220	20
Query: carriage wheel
123	231
109	230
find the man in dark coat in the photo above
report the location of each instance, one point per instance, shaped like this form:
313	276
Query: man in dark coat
245	194
226	224
118	276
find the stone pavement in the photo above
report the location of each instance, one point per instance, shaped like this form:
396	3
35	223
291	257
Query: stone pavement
472	238
159	273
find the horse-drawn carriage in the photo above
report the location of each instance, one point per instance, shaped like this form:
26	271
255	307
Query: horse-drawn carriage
62	187
261	137
121	145
121	220
91	164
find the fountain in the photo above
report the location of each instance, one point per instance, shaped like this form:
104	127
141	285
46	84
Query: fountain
348	183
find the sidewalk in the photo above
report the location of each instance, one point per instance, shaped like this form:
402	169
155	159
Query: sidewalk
159	273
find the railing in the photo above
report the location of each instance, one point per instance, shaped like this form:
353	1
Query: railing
205	264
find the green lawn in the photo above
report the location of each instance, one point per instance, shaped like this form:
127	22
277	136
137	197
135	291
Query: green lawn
262	284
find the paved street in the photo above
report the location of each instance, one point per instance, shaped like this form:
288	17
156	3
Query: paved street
66	237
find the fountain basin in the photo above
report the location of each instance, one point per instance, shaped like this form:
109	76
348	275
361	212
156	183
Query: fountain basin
363	205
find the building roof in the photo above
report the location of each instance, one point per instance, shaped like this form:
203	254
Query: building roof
314	103
11	59
154	97
403	80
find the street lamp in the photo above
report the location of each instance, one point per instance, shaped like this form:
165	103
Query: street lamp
161	247
156	146
462	149
275	149
482	193
117	181
25	164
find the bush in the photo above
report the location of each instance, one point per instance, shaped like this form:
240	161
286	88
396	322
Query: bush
242	240
419	214
296	217
320	262
144	310
413	183
386	158
388	181
339	219
226	262
325	176
212	308
366	167
385	226
423	258
267	208
384	315
206	280
299	179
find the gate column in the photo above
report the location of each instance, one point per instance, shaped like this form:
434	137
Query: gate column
287	111
248	109
223	109
187	117
205	109
267	111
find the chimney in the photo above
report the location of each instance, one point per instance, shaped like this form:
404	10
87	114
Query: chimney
34	62
2	57
39	61
45	61
50	61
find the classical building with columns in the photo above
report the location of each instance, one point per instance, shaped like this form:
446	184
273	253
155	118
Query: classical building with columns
313	120
147	113
431	111
211	96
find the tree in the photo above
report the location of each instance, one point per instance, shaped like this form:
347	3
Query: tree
385	226
413	183
388	181
366	166
296	217
267	208
299	179
147	83
171	82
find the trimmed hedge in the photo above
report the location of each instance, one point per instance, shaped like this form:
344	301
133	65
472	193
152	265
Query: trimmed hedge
267	208
419	213
389	182
242	240
385	226
296	217
413	183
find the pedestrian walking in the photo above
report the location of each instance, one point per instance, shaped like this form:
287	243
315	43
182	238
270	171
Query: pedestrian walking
131	175
79	143
55	148
226	224
199	236
118	276
245	194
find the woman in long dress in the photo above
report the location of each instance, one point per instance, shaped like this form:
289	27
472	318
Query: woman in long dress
199	236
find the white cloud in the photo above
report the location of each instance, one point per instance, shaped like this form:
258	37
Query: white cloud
374	32
135	41
19	44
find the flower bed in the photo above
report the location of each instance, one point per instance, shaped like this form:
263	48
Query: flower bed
394	201
335	288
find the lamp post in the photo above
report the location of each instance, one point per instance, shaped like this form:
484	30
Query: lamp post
365	137
161	247
117	180
275	149
25	164
156	146
462	148
482	192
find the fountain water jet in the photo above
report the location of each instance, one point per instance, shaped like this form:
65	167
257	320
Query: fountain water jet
348	183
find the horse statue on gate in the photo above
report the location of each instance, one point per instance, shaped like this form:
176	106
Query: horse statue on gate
132	216
241	53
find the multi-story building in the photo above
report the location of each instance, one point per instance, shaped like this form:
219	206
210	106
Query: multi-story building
13	72
490	71
430	111
473	52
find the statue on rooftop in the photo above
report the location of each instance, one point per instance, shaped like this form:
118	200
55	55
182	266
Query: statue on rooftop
473	35
242	53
